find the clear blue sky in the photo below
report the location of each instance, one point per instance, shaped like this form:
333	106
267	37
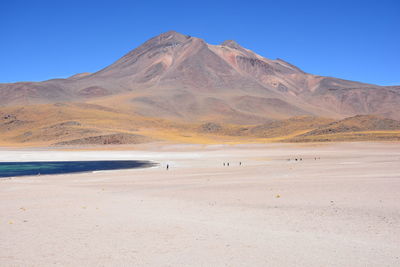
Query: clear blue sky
355	40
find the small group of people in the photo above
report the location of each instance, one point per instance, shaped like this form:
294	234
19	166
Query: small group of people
296	159
227	164
301	159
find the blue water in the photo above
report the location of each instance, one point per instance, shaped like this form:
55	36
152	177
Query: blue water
11	169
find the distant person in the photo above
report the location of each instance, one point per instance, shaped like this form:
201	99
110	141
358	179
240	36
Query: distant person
240	163
224	163
167	167
228	164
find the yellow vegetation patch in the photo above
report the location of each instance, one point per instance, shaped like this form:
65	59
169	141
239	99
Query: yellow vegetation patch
47	124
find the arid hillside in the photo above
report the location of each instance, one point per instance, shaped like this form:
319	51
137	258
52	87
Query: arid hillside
80	124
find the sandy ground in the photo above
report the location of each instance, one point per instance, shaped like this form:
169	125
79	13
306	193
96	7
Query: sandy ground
340	210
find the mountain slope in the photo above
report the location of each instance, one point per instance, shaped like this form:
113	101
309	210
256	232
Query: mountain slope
356	128
89	124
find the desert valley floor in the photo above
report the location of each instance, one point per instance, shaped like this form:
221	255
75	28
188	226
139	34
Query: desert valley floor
338	206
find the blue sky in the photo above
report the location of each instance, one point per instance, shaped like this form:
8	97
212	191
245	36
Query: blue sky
355	40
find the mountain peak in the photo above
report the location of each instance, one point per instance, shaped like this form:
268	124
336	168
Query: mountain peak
171	36
232	44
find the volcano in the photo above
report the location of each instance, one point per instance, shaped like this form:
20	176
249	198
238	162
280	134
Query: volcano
183	79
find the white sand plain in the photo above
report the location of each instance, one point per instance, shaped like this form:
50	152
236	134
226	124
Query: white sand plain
340	210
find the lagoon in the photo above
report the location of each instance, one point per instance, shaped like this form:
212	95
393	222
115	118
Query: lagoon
12	169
